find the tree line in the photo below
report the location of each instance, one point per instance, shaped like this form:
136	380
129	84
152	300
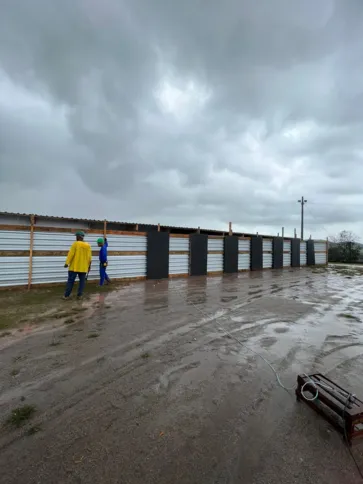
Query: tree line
344	247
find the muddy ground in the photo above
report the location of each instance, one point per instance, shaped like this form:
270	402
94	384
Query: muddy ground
141	385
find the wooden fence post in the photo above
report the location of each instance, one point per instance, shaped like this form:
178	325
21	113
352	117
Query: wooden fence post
30	274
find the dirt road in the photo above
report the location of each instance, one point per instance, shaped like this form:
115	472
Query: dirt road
140	385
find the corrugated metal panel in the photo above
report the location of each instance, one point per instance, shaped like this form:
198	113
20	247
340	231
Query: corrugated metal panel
179	264
287	245
267	260
320	258
54	241
244	262
215	244
303	260
127	243
14	240
48	269
244	244
287	260
57	241
14	271
120	266
215	262
267	245
180	244
320	246
51	269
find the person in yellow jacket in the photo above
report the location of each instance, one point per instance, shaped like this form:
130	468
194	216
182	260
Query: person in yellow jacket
79	263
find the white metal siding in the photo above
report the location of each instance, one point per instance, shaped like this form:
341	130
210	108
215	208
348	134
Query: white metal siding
320	246
61	241
287	245
287	260
320	258
127	243
14	240
303	260
244	262
14	271
267	260
320	253
287	257
215	263
123	266
48	269
51	269
179	244
54	241
178	264
267	253
244	244
215	244
267	245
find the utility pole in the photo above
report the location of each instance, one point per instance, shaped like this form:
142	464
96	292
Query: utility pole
302	201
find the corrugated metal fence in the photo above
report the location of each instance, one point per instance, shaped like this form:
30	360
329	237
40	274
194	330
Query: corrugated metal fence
35	255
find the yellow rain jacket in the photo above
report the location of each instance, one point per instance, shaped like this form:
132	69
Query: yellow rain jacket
79	257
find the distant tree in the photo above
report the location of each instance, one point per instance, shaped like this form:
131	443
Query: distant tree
344	247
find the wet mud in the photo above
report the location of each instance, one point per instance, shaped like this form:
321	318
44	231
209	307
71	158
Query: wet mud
142	385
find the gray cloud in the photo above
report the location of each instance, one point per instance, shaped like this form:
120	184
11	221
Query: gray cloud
187	113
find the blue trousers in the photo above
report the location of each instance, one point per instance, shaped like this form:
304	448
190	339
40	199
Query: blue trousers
103	275
71	280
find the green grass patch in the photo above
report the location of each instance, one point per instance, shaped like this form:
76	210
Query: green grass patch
40	305
145	355
21	415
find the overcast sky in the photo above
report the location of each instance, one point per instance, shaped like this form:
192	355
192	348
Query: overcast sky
194	112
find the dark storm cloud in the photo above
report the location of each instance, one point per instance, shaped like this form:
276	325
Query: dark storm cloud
183	112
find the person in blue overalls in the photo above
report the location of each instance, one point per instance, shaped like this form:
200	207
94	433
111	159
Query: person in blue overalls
103	244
